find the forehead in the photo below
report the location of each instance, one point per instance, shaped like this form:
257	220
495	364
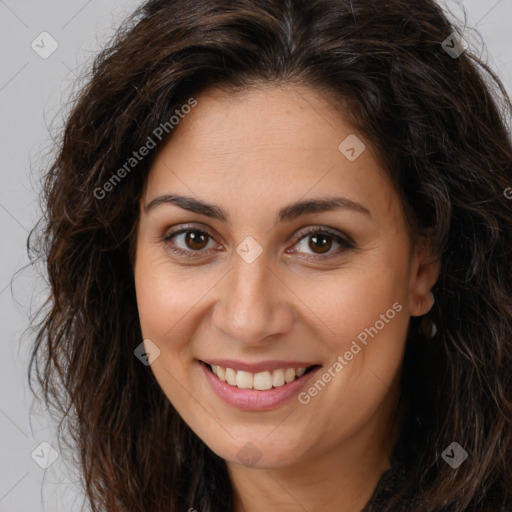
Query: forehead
257	121
271	144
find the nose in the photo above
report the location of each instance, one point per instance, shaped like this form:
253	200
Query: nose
253	303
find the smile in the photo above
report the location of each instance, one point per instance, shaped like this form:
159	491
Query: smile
261	380
260	389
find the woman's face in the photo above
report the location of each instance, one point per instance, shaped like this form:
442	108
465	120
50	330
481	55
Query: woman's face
270	280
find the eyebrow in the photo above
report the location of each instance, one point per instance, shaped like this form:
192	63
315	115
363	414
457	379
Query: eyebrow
286	214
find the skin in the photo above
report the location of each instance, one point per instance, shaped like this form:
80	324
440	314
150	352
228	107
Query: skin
251	153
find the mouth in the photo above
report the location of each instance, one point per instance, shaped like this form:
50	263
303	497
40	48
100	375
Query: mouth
268	386
262	380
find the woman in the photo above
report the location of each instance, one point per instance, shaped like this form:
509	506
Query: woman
277	241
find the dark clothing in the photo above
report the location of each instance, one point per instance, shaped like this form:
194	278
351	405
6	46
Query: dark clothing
386	489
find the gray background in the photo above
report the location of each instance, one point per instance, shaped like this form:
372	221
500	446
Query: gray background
33	91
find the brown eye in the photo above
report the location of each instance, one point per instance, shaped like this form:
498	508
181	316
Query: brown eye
322	243
196	240
188	241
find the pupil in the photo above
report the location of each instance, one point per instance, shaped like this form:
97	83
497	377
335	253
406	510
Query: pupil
323	242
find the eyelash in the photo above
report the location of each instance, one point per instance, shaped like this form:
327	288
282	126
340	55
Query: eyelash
345	242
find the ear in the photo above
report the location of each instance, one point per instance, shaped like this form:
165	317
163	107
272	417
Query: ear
424	271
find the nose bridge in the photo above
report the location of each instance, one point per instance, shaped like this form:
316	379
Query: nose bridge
249	281
252	304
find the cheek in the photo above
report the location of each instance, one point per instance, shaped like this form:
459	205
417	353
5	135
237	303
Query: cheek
157	300
368	325
357	298
364	309
165	304
166	296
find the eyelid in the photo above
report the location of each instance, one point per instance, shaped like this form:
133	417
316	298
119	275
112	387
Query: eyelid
336	234
183	228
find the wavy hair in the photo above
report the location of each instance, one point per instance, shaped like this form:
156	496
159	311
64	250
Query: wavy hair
440	125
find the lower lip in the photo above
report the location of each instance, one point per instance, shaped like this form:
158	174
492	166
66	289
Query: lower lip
252	399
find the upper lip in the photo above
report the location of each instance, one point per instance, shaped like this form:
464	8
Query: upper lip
257	367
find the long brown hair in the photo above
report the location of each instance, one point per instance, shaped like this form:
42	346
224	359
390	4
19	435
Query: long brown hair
439	124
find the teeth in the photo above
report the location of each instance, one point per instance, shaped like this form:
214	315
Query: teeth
260	381
278	378
289	375
244	380
230	376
